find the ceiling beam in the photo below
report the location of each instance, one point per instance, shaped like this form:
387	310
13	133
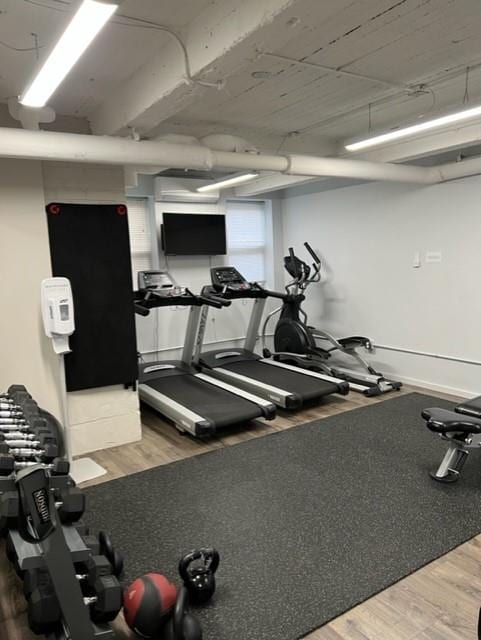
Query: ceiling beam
222	39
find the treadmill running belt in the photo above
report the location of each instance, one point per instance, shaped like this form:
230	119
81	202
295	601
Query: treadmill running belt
208	401
308	387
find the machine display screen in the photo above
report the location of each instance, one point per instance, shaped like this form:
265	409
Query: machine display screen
193	234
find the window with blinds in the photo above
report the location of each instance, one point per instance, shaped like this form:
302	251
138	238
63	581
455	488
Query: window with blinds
140	235
246	238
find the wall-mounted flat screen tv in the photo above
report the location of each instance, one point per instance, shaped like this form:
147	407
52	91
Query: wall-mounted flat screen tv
187	234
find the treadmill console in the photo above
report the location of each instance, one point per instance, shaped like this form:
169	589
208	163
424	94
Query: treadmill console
161	282
228	278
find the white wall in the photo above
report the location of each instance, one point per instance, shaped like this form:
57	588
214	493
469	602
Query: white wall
107	416
100	417
163	331
26	354
367	236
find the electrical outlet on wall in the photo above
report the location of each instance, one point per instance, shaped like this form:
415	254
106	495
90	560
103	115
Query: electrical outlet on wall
417	260
434	256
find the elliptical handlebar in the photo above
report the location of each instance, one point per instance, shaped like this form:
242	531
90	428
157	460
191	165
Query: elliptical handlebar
314	255
297	275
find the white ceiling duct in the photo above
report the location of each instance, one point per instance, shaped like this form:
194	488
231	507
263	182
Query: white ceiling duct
71	147
226	142
175	138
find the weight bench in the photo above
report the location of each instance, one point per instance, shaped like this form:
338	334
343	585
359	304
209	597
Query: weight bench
462	429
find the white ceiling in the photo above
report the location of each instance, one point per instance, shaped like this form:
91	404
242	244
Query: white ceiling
408	42
413	42
114	56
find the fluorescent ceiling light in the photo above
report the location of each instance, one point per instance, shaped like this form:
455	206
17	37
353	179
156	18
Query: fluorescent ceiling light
228	182
414	129
84	26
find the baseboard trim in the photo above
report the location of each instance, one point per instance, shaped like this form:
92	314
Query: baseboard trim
431	386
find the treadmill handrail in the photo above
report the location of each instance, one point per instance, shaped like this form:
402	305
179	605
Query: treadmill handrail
147	299
214	301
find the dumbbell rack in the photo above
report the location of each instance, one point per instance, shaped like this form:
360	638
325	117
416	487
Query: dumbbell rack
68	580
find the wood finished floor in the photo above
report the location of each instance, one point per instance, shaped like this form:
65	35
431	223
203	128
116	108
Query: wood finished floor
439	602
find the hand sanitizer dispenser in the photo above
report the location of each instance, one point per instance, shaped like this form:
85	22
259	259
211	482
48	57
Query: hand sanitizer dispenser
58	312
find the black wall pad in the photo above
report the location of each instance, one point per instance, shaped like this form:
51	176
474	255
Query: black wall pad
89	244
309	522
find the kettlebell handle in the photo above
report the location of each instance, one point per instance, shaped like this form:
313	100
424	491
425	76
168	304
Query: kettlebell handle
179	612
209	554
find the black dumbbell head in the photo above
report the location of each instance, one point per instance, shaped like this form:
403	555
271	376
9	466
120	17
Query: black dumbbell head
73	505
33	578
43	609
92	544
7	464
108	592
60	467
97	567
14	388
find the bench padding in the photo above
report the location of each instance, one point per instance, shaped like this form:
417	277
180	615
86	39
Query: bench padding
444	421
470	408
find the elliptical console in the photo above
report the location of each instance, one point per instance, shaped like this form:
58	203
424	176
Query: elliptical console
228	278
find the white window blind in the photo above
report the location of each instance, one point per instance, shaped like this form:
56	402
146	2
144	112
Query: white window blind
246	238
140	236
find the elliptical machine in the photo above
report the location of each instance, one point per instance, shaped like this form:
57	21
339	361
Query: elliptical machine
297	343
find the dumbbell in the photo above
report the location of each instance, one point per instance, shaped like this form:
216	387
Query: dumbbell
70	503
47	454
16	388
96	566
107	599
9	508
59	466
8	406
43	606
21	452
34	578
92	543
19	439
11	413
43	609
5	423
7	464
114	557
15	434
48	450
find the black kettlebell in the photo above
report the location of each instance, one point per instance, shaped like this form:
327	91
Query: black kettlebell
197	570
182	625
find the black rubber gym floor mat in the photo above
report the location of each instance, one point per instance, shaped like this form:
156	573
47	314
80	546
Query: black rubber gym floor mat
309	522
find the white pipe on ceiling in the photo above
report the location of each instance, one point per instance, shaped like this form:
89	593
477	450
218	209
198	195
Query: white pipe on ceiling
461	169
73	147
358	169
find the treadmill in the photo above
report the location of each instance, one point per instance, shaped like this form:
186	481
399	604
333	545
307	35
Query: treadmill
284	385
195	402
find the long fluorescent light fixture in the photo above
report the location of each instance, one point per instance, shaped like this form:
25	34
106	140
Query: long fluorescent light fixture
91	16
414	129
228	182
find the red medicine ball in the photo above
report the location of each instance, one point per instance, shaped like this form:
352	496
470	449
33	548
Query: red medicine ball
148	602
